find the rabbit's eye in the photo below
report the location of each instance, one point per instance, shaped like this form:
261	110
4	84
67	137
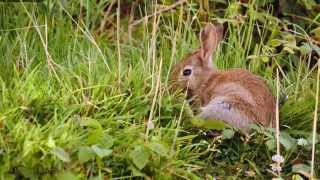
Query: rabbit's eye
187	72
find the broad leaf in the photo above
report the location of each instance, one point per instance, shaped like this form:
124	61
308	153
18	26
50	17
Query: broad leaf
85	154
227	133
107	141
208	124
302	169
275	42
287	141
310	139
28	172
271	144
101	152
136	172
297	177
159	148
66	175
88	122
305	48
140	156
288	49
316	32
316	48
96	178
97	136
9	176
61	154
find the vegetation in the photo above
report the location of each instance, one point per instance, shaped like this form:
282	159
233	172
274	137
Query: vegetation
84	90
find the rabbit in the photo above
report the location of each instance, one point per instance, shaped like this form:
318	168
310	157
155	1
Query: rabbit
236	96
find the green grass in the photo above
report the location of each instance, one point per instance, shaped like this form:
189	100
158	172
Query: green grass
74	112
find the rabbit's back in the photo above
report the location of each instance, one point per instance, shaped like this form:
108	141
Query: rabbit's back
245	91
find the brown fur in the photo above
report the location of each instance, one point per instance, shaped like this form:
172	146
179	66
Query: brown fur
248	94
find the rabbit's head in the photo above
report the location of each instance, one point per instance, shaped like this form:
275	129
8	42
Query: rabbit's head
195	68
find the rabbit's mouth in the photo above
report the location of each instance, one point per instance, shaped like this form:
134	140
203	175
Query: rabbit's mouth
178	86
187	92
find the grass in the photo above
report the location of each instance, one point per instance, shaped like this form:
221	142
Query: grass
75	106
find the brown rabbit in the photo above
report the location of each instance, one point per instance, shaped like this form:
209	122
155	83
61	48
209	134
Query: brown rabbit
234	96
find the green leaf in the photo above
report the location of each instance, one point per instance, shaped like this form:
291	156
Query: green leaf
219	1
262	58
51	143
316	32
307	3
305	48
9	176
208	124
61	154
194	177
252	57
107	141
271	144
302	169
297	177
255	127
214	124
316	48
66	175
227	133
275	42
197	122
85	154
159	148
287	141
140	156
136	172
261	3
186	138
290	39
101	152
310	139
88	122
89	5
97	136
27	172
233	10
288	49
265	59
48	177
96	178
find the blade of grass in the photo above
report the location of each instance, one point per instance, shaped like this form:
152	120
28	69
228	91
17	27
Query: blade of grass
314	126
118	43
277	121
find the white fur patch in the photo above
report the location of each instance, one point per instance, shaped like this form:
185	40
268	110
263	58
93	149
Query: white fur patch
218	109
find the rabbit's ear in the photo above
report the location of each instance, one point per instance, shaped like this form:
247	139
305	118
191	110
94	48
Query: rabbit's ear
210	36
